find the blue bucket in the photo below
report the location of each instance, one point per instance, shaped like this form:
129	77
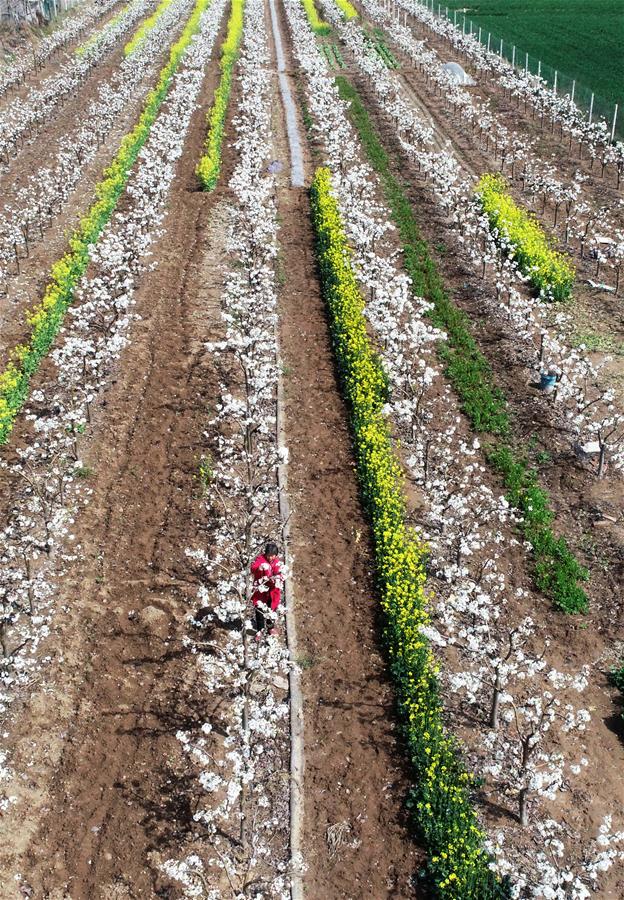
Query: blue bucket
547	382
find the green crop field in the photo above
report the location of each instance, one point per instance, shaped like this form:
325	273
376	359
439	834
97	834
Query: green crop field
582	38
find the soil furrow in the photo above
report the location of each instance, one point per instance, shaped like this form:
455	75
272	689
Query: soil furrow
354	782
103	810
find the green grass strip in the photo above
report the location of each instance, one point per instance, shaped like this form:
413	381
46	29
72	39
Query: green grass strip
375	39
317	24
46	317
80	51
209	166
145	27
557	572
338	56
386	55
329	56
549	272
442	813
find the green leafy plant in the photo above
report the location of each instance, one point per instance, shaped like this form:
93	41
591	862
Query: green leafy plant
557	571
209	166
205	471
616	677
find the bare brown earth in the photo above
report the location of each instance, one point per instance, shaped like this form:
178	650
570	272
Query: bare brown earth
353	768
100	800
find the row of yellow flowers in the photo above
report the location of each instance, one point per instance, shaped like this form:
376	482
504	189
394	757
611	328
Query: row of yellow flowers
46	317
145	27
458	866
348	11
317	24
549	272
209	166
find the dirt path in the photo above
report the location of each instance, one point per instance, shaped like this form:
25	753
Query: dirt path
354	782
102	802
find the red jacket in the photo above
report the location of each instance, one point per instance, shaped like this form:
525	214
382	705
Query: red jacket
267	581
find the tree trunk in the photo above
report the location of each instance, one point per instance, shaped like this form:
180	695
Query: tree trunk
602	459
523	798
494	709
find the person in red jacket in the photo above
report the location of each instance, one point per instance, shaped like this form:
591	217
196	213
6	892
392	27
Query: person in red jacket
267	575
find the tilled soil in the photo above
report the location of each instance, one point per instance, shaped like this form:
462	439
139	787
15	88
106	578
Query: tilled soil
354	782
102	804
355	837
